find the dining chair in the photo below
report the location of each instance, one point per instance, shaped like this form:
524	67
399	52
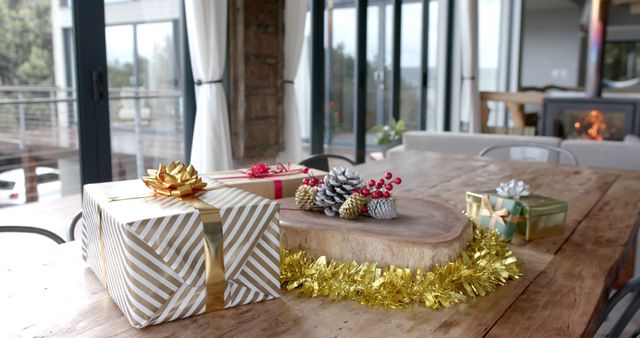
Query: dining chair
321	161
32	230
573	160
71	234
632	288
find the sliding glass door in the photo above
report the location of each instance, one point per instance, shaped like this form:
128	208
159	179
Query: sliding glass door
39	157
415	71
144	69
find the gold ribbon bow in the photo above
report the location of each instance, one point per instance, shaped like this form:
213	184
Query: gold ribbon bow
497	215
175	179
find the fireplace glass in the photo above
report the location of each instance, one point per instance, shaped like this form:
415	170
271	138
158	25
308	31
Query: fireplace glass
591	124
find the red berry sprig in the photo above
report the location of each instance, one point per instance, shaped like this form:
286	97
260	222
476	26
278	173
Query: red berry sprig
310	181
381	188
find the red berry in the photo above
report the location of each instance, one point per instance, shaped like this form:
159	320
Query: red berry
364	209
377	194
314	181
372	183
381	181
388	175
380	185
305	170
389	186
365	192
386	194
398	180
305	180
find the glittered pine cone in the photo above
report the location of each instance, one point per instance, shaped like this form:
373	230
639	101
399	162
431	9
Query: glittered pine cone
350	209
335	188
383	208
305	197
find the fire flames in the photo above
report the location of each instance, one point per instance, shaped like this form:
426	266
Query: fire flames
592	126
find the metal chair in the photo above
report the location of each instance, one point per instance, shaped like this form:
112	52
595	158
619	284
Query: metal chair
321	161
71	234
632	287
32	230
572	158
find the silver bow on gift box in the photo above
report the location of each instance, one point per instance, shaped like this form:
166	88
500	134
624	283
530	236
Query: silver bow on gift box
513	189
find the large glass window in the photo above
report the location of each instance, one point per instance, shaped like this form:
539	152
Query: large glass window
341	39
340	66
144	80
490	44
38	123
621	61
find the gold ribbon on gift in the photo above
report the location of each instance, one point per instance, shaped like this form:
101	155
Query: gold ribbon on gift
183	182
497	214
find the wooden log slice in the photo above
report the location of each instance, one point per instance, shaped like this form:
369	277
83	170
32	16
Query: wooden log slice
426	232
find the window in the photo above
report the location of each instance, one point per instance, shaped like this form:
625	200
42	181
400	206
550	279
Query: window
144	59
622	60
49	177
37	101
341	42
6	185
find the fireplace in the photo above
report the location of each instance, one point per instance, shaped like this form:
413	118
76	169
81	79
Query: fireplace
590	118
589	115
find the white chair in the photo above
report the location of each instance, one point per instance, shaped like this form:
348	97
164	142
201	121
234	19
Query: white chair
472	144
605	154
559	151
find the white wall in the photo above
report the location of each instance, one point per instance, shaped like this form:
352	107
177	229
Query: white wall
551	47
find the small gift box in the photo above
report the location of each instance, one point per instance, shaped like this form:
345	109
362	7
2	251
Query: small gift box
182	250
273	182
541	217
493	212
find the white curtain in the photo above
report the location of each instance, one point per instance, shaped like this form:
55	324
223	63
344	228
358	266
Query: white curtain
207	31
295	12
470	95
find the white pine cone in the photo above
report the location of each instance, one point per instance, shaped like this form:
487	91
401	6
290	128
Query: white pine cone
383	208
336	188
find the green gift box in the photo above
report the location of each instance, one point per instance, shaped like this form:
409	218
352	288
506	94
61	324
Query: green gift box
539	216
496	212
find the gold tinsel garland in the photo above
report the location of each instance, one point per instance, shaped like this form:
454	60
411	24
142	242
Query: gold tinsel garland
486	263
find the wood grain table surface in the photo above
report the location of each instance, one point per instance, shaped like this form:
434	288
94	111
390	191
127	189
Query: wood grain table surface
565	284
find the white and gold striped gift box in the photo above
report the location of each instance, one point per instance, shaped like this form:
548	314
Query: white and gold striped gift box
157	257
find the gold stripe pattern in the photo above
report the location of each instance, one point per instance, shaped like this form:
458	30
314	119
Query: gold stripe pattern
156	267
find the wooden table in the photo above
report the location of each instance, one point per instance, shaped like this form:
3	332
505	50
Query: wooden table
562	293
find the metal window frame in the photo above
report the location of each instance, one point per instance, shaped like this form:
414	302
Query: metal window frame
92	91
395	57
361	82
317	77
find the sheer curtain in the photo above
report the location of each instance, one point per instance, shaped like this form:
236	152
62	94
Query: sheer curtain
295	16
470	96
207	31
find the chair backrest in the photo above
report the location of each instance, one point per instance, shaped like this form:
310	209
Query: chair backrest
472	144
605	154
71	234
321	161
628	311
32	230
570	156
